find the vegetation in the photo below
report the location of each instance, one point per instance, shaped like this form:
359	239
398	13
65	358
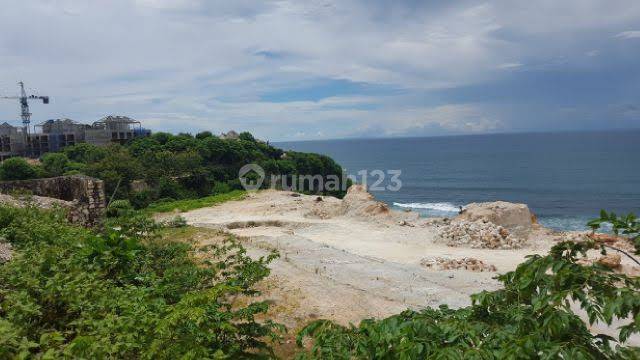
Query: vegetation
531	317
18	169
190	204
628	225
125	292
169	167
177	171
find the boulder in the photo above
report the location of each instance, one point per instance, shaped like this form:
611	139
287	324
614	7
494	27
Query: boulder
612	261
508	215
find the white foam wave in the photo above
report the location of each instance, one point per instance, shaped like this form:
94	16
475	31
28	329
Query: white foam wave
442	206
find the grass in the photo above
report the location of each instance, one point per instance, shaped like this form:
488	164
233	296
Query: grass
191	204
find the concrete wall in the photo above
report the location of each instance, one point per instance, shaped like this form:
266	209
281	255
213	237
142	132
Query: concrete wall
86	192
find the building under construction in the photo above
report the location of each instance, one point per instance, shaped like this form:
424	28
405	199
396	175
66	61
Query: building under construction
53	135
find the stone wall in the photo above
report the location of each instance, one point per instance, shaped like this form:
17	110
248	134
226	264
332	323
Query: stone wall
86	193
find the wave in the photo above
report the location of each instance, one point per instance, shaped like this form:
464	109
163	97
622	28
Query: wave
441	206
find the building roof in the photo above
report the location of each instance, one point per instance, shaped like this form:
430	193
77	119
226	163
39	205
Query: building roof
117	119
61	120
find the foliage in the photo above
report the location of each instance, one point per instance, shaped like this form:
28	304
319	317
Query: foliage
119	208
17	168
628	225
191	204
125	293
531	317
185	167
55	164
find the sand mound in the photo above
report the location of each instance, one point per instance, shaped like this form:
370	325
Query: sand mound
358	203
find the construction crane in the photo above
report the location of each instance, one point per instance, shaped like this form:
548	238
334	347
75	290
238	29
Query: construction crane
24	105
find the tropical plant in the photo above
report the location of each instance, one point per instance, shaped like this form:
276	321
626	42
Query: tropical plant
125	293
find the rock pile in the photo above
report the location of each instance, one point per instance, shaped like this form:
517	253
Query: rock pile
33	200
479	235
470	264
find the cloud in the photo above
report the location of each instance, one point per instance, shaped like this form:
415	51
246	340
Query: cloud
512	65
393	67
635	34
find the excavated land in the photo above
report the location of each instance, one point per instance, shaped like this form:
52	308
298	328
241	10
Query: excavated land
355	258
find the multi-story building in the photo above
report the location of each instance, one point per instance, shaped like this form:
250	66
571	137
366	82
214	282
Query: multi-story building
12	141
57	133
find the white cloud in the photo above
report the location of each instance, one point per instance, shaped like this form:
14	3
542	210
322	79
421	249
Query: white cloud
635	34
512	65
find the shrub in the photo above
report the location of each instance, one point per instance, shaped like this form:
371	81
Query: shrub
125	293
220	188
142	199
55	164
17	169
119	208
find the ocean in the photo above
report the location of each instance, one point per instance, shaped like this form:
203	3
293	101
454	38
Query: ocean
564	177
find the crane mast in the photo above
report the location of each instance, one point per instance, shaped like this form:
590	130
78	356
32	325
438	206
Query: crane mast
25	114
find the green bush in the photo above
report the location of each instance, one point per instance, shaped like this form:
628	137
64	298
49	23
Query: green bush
119	208
220	188
125	293
17	168
142	199
55	164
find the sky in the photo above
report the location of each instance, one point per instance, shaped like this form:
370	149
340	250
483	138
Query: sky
302	70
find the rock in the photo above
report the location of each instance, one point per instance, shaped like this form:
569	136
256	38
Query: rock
469	264
405	223
5	252
508	215
612	261
479	235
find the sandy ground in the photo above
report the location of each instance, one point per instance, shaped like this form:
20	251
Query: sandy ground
346	266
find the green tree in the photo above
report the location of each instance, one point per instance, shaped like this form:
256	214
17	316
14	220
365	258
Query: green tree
203	135
55	164
246	136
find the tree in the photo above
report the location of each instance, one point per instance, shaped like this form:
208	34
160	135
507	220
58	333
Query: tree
203	135
55	164
246	136
17	169
85	153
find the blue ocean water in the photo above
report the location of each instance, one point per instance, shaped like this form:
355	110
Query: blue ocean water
565	178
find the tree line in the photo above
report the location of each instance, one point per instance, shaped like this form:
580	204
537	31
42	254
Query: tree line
174	167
